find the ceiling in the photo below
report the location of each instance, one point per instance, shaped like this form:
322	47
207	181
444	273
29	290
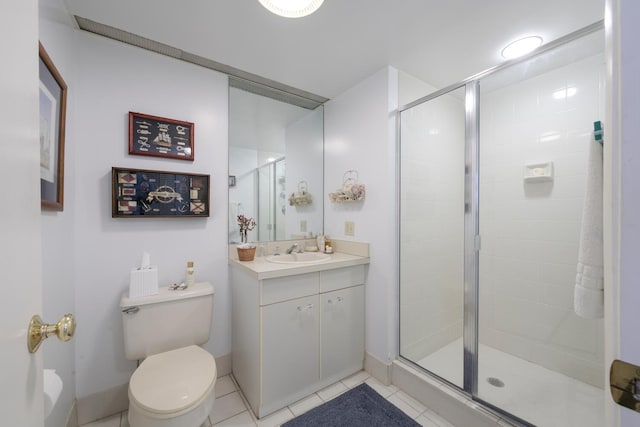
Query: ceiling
345	41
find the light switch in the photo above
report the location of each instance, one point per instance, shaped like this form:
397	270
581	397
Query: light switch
349	228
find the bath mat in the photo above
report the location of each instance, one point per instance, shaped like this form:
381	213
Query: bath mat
358	407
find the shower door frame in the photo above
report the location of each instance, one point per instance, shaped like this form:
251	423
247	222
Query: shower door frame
472	238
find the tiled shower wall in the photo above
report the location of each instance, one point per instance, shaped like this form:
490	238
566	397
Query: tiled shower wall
530	230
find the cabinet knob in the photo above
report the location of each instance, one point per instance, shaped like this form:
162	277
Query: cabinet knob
305	307
338	299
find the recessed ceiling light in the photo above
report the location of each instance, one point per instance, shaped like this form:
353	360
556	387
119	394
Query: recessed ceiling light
292	8
521	47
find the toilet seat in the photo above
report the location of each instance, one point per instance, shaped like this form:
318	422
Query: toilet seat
173	382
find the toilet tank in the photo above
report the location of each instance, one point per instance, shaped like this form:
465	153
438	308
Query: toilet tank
168	320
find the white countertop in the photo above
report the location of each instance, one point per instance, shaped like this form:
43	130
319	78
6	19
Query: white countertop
260	268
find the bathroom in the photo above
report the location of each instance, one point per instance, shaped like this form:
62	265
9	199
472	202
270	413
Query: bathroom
102	91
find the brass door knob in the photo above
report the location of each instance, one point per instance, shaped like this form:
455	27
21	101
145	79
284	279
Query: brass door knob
39	331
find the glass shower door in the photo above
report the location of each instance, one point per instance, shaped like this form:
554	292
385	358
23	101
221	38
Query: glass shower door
536	358
432	223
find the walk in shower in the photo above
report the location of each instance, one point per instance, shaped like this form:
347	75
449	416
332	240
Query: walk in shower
492	184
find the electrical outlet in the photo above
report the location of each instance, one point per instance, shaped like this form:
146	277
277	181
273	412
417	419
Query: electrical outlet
349	228
303	226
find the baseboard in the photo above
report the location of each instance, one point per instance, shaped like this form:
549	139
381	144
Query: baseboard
103	404
116	400
378	369
223	365
72	418
452	405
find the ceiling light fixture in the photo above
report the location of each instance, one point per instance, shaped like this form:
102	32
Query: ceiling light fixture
521	47
292	8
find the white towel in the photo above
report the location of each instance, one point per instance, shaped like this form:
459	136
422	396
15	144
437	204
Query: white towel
588	298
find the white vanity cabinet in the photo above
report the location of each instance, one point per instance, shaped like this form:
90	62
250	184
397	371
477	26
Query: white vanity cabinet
294	335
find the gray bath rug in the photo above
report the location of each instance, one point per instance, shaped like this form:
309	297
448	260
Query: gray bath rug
358	407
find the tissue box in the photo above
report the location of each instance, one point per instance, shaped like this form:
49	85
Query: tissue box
143	282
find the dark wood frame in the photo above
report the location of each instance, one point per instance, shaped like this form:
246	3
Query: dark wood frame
52	187
160	137
131	197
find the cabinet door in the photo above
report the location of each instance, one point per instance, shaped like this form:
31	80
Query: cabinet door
289	348
342	332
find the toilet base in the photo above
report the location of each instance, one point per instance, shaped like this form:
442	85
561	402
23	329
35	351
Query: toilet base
138	417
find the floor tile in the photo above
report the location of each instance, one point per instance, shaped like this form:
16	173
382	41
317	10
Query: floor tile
404	406
275	419
124	419
226	407
302	406
356	379
224	386
243	419
435	418
383	390
411	401
332	391
112	421
426	422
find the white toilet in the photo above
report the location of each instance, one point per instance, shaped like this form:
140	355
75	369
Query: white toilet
174	385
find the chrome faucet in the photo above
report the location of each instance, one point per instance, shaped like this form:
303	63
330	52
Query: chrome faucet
293	247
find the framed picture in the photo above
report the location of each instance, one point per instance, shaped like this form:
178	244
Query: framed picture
53	107
140	193
161	137
232	180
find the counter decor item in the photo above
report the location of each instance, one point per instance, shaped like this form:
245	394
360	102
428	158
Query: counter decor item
160	137
246	251
300	197
53	106
351	191
146	193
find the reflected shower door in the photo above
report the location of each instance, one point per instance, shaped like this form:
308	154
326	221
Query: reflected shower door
432	224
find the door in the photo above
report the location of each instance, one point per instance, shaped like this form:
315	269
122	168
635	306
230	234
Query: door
622	191
289	350
21	401
342	332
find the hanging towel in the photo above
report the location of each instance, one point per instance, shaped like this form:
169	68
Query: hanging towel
588	298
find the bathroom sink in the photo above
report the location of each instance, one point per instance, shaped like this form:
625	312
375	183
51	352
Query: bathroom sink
296	258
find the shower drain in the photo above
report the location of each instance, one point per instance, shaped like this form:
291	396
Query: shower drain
496	382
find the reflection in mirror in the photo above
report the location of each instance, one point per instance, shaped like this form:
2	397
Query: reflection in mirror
275	156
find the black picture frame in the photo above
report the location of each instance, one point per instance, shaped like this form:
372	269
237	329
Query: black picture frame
232	180
160	137
143	193
52	111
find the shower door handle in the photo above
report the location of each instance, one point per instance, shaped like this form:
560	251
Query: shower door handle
624	380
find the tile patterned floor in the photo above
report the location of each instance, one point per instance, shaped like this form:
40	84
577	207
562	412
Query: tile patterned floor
230	409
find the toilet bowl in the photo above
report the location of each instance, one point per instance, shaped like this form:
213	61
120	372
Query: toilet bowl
173	389
174	385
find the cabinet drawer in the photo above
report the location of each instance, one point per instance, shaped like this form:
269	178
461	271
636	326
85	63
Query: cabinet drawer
287	288
340	278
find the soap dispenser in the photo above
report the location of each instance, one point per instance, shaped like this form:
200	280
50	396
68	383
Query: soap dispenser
189	278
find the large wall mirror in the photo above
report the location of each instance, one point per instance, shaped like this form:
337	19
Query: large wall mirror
276	161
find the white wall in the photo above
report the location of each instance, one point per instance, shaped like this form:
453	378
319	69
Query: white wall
113	79
58	287
530	231
242	164
360	135
304	152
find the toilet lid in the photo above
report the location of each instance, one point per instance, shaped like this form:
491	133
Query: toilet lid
172	381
